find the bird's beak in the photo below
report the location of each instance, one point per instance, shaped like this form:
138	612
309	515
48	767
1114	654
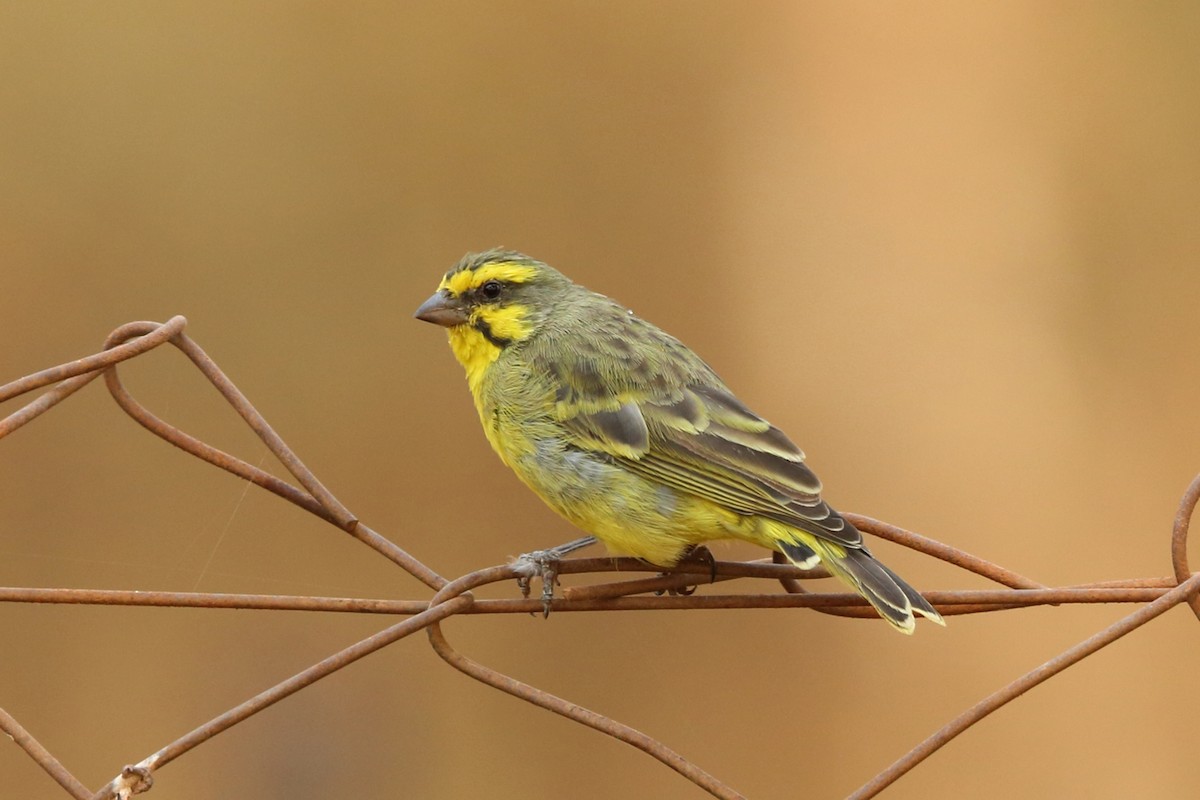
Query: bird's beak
442	309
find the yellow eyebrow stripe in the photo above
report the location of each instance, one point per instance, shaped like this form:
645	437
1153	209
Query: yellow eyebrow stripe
509	272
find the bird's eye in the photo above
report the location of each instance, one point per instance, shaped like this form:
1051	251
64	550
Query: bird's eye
491	290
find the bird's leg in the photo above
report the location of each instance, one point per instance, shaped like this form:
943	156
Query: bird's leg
702	556
544	564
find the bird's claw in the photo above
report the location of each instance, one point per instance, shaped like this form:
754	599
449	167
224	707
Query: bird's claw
696	554
699	554
544	565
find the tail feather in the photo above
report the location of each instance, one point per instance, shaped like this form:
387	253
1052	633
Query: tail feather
890	594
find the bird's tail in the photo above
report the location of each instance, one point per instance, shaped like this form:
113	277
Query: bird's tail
891	596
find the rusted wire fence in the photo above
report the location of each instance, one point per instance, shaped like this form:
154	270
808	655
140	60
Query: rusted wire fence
451	597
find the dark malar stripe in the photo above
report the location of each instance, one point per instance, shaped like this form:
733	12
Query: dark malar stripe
486	330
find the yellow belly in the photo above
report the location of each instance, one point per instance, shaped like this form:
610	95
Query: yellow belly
630	514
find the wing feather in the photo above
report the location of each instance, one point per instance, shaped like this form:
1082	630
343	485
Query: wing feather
624	429
637	395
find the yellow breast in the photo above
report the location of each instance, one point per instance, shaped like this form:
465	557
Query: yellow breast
477	354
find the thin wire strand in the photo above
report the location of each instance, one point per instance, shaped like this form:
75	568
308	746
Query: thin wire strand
24	739
1048	670
585	716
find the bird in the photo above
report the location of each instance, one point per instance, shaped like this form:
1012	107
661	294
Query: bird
628	434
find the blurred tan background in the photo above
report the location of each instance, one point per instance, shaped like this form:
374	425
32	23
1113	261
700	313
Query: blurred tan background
953	249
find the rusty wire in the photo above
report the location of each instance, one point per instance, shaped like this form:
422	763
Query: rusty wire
453	597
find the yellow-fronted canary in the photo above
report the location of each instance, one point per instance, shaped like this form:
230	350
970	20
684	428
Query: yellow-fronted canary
628	434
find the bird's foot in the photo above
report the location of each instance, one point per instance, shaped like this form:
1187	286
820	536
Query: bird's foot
701	555
543	564
698	555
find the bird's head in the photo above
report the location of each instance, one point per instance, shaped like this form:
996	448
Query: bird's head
492	300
